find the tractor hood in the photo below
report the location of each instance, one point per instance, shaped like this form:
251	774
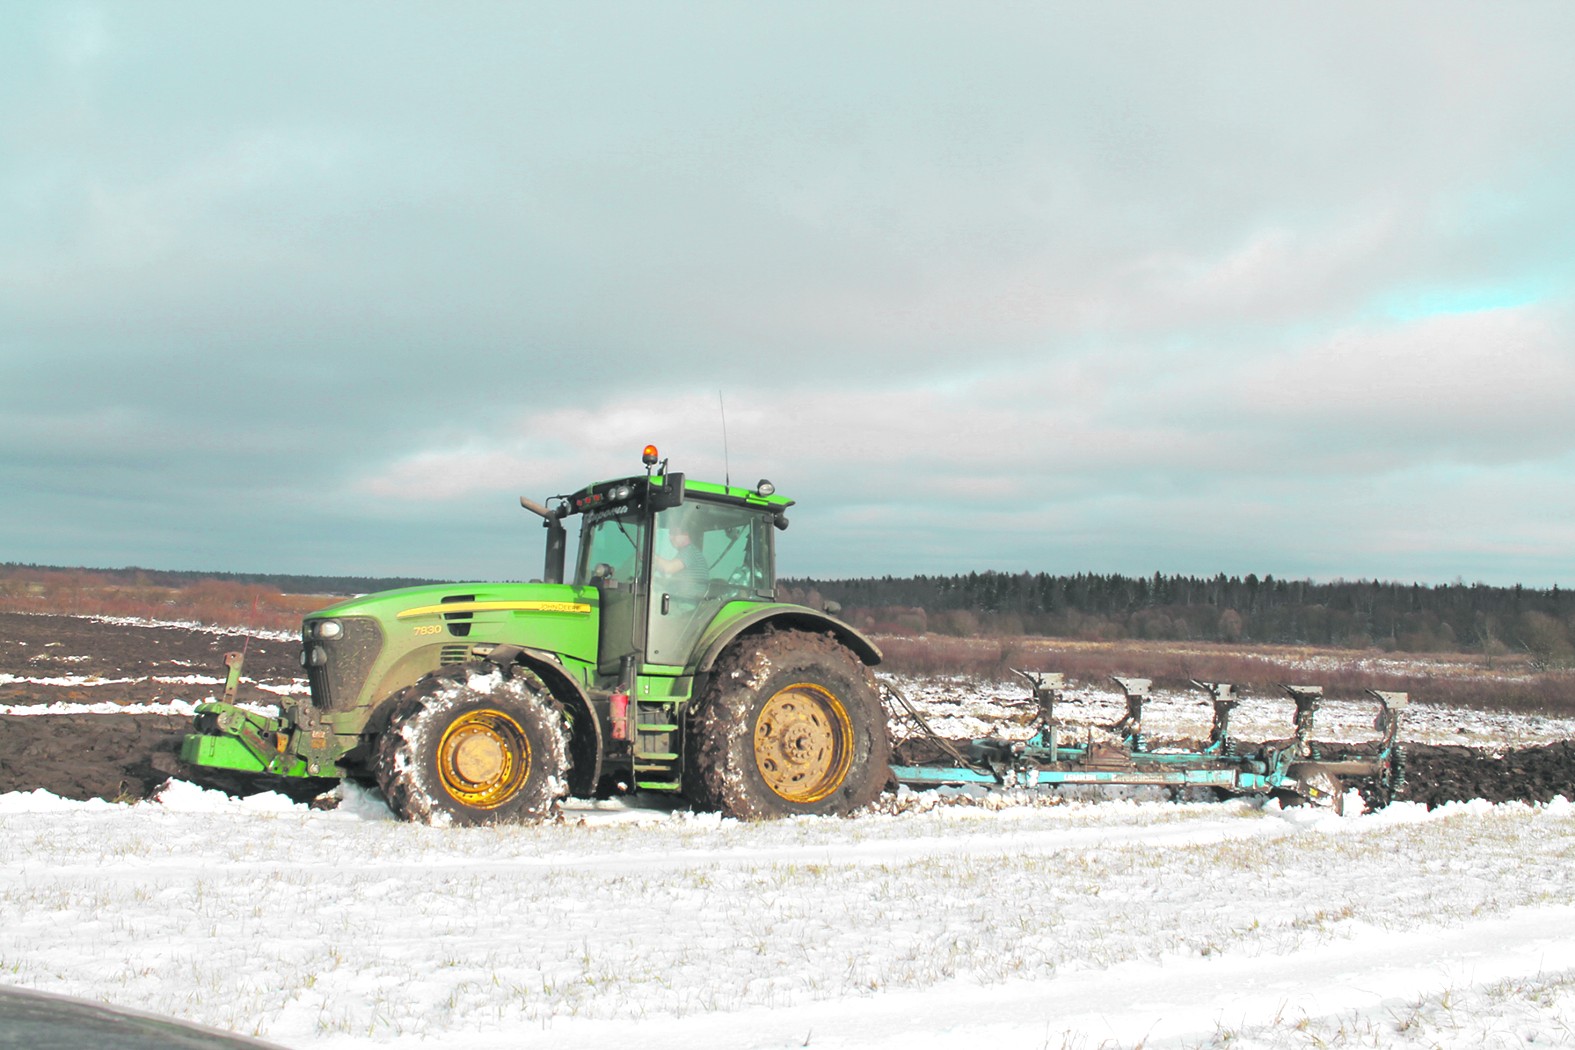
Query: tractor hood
454	601
552	616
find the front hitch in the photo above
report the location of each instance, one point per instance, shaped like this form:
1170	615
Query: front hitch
227	736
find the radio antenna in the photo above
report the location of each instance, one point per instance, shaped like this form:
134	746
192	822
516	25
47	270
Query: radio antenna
727	476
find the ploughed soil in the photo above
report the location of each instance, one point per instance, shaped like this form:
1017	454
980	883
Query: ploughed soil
75	660
78	661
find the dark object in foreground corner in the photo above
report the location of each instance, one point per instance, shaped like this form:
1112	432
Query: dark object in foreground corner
39	1021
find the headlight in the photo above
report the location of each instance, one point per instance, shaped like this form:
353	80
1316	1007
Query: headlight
328	629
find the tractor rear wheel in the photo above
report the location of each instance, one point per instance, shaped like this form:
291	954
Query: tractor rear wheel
476	744
791	724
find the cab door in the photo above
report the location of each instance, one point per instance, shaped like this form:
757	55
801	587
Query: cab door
702	557
612	551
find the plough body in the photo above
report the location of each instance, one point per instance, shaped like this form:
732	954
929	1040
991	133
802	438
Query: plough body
1062	756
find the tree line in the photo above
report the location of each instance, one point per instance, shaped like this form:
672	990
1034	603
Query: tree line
1093	606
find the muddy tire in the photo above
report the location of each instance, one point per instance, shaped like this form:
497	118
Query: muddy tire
790	724
474	745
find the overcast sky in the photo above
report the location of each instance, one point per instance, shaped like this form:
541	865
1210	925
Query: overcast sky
324	287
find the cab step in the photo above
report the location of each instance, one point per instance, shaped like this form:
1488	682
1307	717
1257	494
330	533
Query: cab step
657	752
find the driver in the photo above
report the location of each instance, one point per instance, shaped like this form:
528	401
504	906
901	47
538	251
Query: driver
687	571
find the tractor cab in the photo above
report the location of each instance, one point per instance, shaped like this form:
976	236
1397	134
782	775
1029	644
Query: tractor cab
663	575
665	555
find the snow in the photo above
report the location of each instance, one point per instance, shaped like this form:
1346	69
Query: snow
939	921
178	708
201	628
65	681
1071	925
78	681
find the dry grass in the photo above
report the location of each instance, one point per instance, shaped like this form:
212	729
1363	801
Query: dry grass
219	602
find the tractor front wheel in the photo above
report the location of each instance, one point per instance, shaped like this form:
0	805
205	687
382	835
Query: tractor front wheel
474	745
791	724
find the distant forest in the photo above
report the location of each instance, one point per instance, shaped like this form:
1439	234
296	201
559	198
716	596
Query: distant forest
1344	613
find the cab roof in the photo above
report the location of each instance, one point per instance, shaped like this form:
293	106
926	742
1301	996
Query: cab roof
628	491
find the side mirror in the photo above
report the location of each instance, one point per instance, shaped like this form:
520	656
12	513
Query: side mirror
557	538
537	509
669	493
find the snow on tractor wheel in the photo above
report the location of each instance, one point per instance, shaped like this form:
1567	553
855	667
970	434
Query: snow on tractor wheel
790	724
474	745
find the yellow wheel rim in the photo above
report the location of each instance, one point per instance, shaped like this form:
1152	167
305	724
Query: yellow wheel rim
483	758
803	743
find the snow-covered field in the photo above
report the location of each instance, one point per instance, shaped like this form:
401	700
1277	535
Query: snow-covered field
1074	925
1006	923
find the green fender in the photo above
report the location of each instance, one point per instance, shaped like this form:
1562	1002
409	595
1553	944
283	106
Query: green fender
725	629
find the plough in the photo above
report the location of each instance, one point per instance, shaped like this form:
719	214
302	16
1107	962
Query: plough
1061	755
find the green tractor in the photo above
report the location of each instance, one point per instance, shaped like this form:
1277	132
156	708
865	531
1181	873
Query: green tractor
665	664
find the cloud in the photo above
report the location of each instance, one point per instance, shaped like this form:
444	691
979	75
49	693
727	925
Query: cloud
1488	387
1029	285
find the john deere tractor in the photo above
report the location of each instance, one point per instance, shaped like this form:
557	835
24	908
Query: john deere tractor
665	664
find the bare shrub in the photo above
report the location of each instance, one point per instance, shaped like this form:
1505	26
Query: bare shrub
222	603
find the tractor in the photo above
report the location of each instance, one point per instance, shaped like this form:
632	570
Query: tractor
665	664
